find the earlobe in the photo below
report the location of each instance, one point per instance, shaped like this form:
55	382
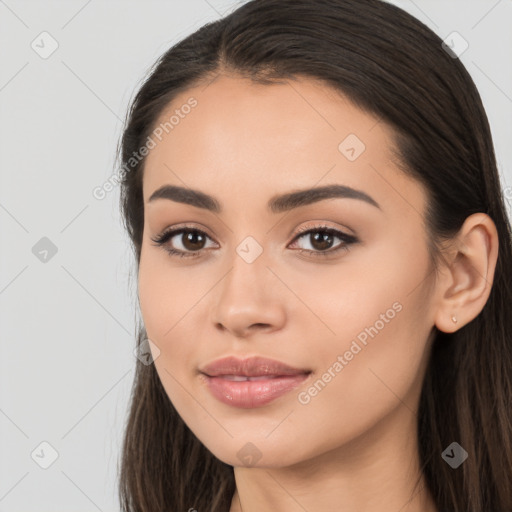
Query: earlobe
467	280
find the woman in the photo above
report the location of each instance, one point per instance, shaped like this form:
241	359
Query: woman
324	271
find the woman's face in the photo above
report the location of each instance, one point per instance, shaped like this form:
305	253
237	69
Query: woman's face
350	308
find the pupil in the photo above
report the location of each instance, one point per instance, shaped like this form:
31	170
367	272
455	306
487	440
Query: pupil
193	240
322	240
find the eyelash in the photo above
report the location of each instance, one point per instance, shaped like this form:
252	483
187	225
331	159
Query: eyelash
347	240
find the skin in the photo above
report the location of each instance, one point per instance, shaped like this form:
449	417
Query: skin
354	445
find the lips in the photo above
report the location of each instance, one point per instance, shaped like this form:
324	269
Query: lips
251	368
252	382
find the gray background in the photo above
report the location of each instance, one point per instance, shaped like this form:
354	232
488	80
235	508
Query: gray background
68	323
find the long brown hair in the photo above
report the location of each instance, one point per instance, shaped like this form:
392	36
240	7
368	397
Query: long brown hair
391	65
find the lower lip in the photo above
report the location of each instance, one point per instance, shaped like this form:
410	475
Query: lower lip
250	394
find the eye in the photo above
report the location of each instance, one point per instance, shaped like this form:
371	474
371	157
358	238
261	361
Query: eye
190	242
321	240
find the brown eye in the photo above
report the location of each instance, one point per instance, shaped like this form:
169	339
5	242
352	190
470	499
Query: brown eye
184	242
193	240
321	239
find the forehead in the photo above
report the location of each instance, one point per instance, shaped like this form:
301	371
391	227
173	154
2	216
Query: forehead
246	138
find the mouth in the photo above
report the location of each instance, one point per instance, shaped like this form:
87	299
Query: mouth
251	392
251	383
242	378
251	367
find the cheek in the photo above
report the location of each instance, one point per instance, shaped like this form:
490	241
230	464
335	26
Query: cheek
373	313
169	293
341	300
352	394
167	301
172	302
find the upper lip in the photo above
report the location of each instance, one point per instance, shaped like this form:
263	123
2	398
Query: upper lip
250	367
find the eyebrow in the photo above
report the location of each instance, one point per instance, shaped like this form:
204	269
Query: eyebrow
277	204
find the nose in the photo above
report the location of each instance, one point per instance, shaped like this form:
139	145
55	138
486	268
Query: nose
248	299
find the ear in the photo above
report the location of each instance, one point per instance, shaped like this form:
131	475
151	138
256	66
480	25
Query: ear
466	280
